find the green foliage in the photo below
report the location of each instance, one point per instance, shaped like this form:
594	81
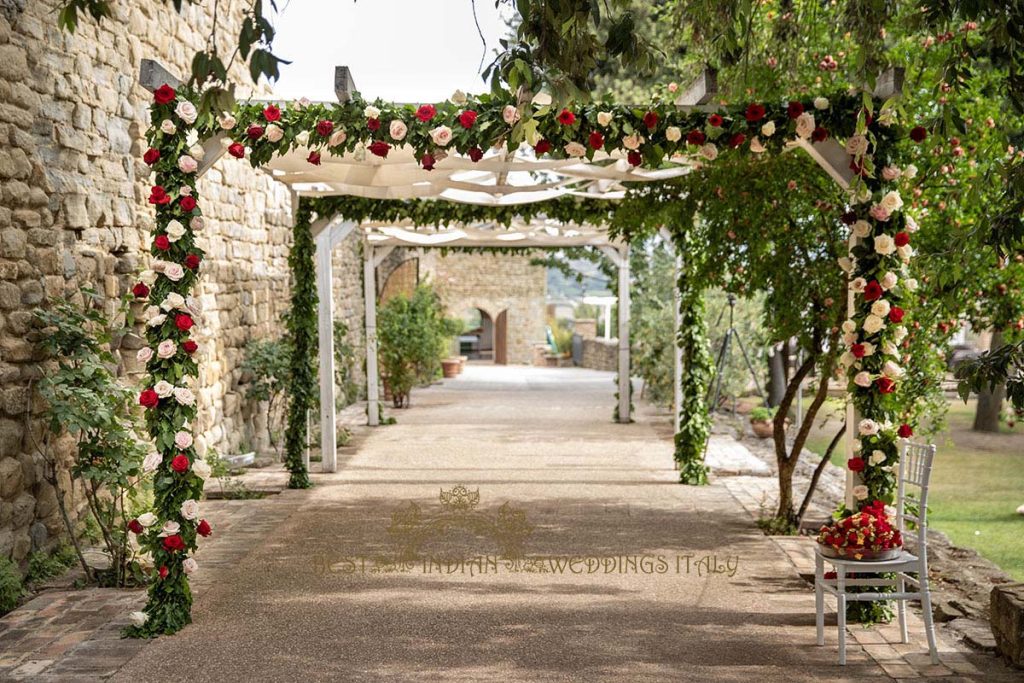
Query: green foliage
762	414
561	333
414	335
302	331
1002	365
651	334
268	363
345	367
43	565
11	589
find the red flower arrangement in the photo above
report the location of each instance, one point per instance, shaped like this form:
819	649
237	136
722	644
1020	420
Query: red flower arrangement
203	528
192	261
872	291
148	398
272	113
596	140
426	112
427	161
324	128
795	109
755	112
918	134
162	242
140	290
566	117
715	120
651	120
179	463
173	543
373	125
905	431
158	195
379	148
467	118
254	132
475	154
237	150
164	94
151	156
187	204
696	137
542	147
184	322
314	158
190	346
885	385
867	534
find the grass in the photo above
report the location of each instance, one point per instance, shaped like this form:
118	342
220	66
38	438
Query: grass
977	484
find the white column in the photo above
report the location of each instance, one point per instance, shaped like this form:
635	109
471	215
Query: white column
677	351
607	321
325	316
851	414
624	388
370	296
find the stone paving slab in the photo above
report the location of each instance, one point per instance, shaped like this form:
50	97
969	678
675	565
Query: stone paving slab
727	456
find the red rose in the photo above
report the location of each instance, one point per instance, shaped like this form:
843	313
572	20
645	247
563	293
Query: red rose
905	431
737	140
135	526
857	350
475	154
173	543
237	150
179	463
140	290
324	128
794	109
188	203
373	125
151	156
918	134
696	137
203	528
596	140
192	261
162	243
755	112
189	346
272	113
901	239
566	117
467	118
885	385
148	398
896	314
855	464
849	218
715	120
254	132
184	322
542	147
651	120
635	158
428	161
872	291
819	135
426	112
164	94
379	148
158	195
314	158
163	572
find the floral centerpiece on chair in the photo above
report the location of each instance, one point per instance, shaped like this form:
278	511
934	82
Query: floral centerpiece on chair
865	535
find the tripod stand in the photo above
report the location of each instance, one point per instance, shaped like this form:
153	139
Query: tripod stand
723	356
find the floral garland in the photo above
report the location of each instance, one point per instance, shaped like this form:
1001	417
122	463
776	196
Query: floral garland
169	533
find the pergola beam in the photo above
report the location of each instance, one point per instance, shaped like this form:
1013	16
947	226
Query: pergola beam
152	75
344	84
701	90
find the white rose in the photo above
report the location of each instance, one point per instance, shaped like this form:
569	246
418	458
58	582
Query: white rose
184	396
890	349
880	308
633	142
856	445
302	139
170	528
860	194
226	121
755	146
398	129
910	171
709	151
850	338
174	272
151	311
148	277
190	509
167	348
821	103
187	112
150	464
892	370
144	354
201	469
857	145
862	379
604	118
371	112
157	320
189	566
274	132
805	125
673	134
849	326
888	280
873	323
867	427
163	388
458	97
338	137
884	245
197	223
172	302
575	149
182	440
148	519
168	127
175	230
442	136
138	619
768	129
906	252
911	224
877	458
910	284
860	492
899	334
869	349
858	284
847	359
186	164
510	114
892	201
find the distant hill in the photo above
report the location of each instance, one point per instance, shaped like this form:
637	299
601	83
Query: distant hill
592	281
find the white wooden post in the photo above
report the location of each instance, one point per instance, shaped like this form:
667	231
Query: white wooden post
370	296
624	387
851	414
325	316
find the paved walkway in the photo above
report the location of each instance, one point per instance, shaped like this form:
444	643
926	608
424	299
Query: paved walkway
670	583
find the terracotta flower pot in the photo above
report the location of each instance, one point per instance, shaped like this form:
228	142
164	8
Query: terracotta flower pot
450	367
763	429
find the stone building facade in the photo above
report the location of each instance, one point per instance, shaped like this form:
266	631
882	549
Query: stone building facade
73	214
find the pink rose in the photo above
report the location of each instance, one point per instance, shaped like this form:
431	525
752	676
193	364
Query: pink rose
166	349
879	213
182	440
144	354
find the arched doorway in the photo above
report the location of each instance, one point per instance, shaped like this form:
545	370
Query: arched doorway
484	337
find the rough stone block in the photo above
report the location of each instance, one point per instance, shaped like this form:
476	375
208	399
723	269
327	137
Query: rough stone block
1007	609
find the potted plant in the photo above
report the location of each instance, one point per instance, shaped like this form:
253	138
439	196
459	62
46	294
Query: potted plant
761	421
450	367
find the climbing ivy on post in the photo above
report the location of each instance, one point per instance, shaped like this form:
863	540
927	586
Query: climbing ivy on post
302	328
692	338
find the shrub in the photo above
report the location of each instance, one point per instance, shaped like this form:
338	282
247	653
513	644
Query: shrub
268	363
11	589
762	414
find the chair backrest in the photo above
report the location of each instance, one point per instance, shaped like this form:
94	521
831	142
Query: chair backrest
915	471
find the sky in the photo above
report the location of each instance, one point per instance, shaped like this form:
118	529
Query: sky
400	50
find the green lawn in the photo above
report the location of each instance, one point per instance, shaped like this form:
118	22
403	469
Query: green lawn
977	485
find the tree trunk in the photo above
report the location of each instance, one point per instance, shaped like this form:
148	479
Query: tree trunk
777	375
786	468
990	401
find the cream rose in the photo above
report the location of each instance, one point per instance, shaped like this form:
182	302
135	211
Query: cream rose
274	132
910	284
857	145
884	245
755	146
338	137
170	528
911	224
899	334
890	349
510	114
575	149
862	379
148	519
805	125
226	121
673	134
876	458
166	349
138	619
633	142
302	139
910	171
860	492
442	136
858	284
892	370
849	326
906	252
163	388
845	263
175	230
190	509
202	469
197	223
182	440
144	354
197	151
458	97
768	129
150	463
172	302
167	127
157	320
892	201
187	164
890	173
189	566
174	272
821	103
187	112
604	118
880	308
184	396
889	280
398	129
869	349
709	151
872	324
868	427
861	229
148	277
371	112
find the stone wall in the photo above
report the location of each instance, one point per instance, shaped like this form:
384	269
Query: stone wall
600	354
73	214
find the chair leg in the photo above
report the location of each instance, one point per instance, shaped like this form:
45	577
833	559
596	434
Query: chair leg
841	612
926	610
819	597
901	608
